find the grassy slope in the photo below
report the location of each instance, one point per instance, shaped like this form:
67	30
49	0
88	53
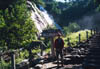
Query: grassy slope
74	37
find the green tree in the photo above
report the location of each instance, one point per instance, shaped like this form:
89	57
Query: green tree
37	2
73	27
19	29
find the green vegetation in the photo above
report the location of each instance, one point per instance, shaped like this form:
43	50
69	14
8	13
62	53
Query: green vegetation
74	37
72	11
4	65
52	8
16	27
38	2
22	55
72	27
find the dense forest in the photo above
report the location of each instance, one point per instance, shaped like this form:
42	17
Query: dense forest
70	13
16	27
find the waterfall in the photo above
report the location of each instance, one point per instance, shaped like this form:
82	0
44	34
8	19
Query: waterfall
41	18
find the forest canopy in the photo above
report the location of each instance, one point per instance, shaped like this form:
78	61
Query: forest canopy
16	27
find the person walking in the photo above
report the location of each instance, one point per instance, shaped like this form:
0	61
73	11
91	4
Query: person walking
59	45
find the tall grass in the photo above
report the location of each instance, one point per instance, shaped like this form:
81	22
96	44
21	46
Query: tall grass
74	37
4	65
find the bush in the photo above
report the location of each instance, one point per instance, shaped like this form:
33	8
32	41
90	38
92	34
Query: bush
74	37
72	27
4	65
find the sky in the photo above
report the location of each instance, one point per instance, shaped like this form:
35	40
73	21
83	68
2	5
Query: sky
61	0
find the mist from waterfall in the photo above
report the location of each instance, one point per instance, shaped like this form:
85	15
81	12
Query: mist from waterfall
90	21
41	18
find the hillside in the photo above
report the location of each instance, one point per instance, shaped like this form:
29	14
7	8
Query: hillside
72	11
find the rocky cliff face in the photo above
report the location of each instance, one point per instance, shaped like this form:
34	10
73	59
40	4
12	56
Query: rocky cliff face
41	18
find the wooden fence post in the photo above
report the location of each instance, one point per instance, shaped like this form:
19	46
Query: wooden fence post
13	66
91	32
69	42
52	47
79	38
87	36
94	31
41	49
1	66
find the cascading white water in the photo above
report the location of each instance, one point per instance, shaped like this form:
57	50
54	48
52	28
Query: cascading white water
41	18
